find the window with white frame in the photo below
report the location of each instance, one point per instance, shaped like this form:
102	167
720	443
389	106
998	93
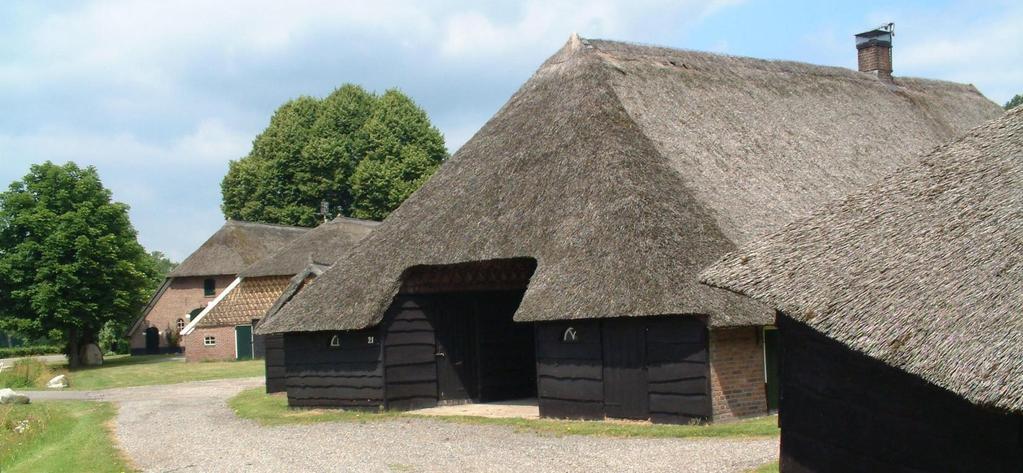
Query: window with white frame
181	324
209	341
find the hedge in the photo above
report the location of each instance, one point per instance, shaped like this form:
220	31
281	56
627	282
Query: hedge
17	352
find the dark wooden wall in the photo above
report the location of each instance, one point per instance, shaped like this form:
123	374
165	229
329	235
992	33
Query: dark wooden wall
843	411
410	367
274	360
662	360
318	375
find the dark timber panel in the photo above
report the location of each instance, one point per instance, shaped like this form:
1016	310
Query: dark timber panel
570	375
274	360
410	367
887	420
320	375
645	367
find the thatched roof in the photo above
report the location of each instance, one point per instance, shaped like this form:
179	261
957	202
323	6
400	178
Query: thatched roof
248	300
624	170
234	247
922	271
297	283
322	245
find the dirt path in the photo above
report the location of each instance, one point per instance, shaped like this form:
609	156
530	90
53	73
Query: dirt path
189	428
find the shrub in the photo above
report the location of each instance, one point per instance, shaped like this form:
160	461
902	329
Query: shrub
27	373
18	352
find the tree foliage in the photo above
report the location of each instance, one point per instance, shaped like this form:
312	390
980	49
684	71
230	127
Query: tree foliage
360	152
1014	102
69	257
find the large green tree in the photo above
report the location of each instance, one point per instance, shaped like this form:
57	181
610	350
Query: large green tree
69	257
1014	102
360	152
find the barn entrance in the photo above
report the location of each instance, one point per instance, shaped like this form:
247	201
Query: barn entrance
450	337
152	341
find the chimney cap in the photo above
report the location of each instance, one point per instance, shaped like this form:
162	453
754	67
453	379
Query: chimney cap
880	36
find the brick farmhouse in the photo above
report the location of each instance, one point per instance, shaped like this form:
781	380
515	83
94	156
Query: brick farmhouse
197	281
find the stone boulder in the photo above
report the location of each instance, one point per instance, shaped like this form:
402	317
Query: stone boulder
8	396
58	382
91	355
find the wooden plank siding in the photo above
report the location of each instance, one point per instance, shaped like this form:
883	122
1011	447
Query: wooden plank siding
409	363
843	411
274	361
673	363
319	375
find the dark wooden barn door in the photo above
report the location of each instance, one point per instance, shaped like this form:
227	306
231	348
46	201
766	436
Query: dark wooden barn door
152	340
771	367
625	380
454	330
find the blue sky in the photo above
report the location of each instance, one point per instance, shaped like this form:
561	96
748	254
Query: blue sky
160	95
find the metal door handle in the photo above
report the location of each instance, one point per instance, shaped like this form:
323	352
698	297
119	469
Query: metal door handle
440	353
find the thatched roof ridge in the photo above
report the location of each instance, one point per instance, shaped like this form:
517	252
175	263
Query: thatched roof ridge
323	245
624	170
234	247
922	271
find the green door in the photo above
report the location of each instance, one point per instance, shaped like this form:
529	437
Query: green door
771	366
243	342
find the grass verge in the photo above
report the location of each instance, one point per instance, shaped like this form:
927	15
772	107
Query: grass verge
273	410
59	436
123	370
772	467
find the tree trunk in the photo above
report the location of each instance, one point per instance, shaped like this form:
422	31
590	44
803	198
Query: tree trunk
74	348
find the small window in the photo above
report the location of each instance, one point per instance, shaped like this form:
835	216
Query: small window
209	287
210	341
181	324
570	335
335	341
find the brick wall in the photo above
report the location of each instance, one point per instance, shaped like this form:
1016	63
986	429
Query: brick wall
196	350
876	58
183	296
737	373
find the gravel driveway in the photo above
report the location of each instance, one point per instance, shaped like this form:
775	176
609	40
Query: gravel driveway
189	428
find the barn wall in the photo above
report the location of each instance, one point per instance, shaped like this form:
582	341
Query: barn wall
737	373
318	375
889	420
409	361
274	360
181	297
570	375
673	354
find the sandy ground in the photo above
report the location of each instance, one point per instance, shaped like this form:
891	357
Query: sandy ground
189	428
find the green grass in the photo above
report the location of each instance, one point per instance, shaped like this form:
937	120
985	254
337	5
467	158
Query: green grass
60	436
766	468
273	410
122	370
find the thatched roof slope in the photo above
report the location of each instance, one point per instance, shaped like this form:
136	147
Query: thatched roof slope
323	245
248	300
624	170
923	271
234	247
297	283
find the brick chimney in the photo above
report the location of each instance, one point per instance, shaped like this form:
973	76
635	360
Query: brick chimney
874	51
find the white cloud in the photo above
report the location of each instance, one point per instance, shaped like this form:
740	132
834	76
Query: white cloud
948	44
210	142
542	23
